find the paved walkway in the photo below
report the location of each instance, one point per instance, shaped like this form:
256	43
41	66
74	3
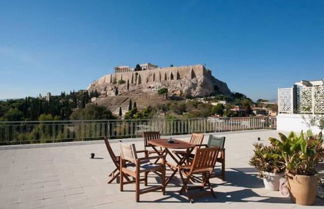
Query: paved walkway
63	177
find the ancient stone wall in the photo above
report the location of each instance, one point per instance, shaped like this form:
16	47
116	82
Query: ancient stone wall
156	75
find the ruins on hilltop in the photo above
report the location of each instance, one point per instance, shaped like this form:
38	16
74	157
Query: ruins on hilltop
147	79
193	81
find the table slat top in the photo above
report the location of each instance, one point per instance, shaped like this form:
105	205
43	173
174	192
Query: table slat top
177	144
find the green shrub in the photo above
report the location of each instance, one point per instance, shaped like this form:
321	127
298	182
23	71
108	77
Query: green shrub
300	154
267	159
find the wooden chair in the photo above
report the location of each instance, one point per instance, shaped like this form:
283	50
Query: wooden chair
196	138
218	141
151	135
140	165
202	164
115	174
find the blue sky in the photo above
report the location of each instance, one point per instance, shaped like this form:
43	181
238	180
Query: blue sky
256	46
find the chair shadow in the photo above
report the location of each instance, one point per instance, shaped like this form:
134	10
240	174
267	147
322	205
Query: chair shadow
244	178
241	177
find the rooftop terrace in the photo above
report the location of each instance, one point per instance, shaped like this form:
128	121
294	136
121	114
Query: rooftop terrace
63	176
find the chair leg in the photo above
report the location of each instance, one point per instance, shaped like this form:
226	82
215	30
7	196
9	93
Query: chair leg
223	165
184	183
121	181
209	185
113	172
171	176
127	178
223	170
163	180
145	178
137	186
114	177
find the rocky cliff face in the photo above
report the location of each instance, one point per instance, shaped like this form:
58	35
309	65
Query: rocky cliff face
142	86
183	81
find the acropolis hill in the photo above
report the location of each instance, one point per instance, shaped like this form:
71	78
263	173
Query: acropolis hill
146	79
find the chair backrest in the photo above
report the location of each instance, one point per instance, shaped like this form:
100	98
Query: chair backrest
204	160
216	141
128	152
196	138
150	135
111	152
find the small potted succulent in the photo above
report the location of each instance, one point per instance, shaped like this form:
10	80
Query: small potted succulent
301	156
270	164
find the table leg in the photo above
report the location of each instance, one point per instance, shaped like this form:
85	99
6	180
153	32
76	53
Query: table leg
178	163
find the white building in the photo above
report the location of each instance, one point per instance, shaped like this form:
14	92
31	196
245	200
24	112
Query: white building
301	107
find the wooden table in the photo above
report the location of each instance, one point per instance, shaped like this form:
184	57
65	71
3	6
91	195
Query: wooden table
166	146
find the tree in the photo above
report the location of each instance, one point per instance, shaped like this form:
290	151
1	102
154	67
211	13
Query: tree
247	106
120	112
138	68
92	112
144	114
47	117
262	100
218	109
163	108
121	81
130	105
178	108
163	91
130	114
13	115
239	95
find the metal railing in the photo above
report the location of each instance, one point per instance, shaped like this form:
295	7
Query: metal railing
25	132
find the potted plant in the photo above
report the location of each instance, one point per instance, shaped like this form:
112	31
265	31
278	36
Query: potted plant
270	164
301	157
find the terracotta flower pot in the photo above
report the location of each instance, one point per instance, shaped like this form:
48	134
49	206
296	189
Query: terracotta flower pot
303	189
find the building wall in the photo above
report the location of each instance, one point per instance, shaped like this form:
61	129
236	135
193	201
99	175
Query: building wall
295	122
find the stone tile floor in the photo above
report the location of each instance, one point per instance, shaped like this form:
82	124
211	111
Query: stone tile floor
64	177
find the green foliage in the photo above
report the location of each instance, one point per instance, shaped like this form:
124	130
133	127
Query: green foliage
218	109
164	108
146	113
120	112
30	108
171	117
130	114
267	159
316	120
121	82
240	96
94	93
47	117
163	91
321	123
262	100
92	112
13	114
178	108
138	68
130	105
301	155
